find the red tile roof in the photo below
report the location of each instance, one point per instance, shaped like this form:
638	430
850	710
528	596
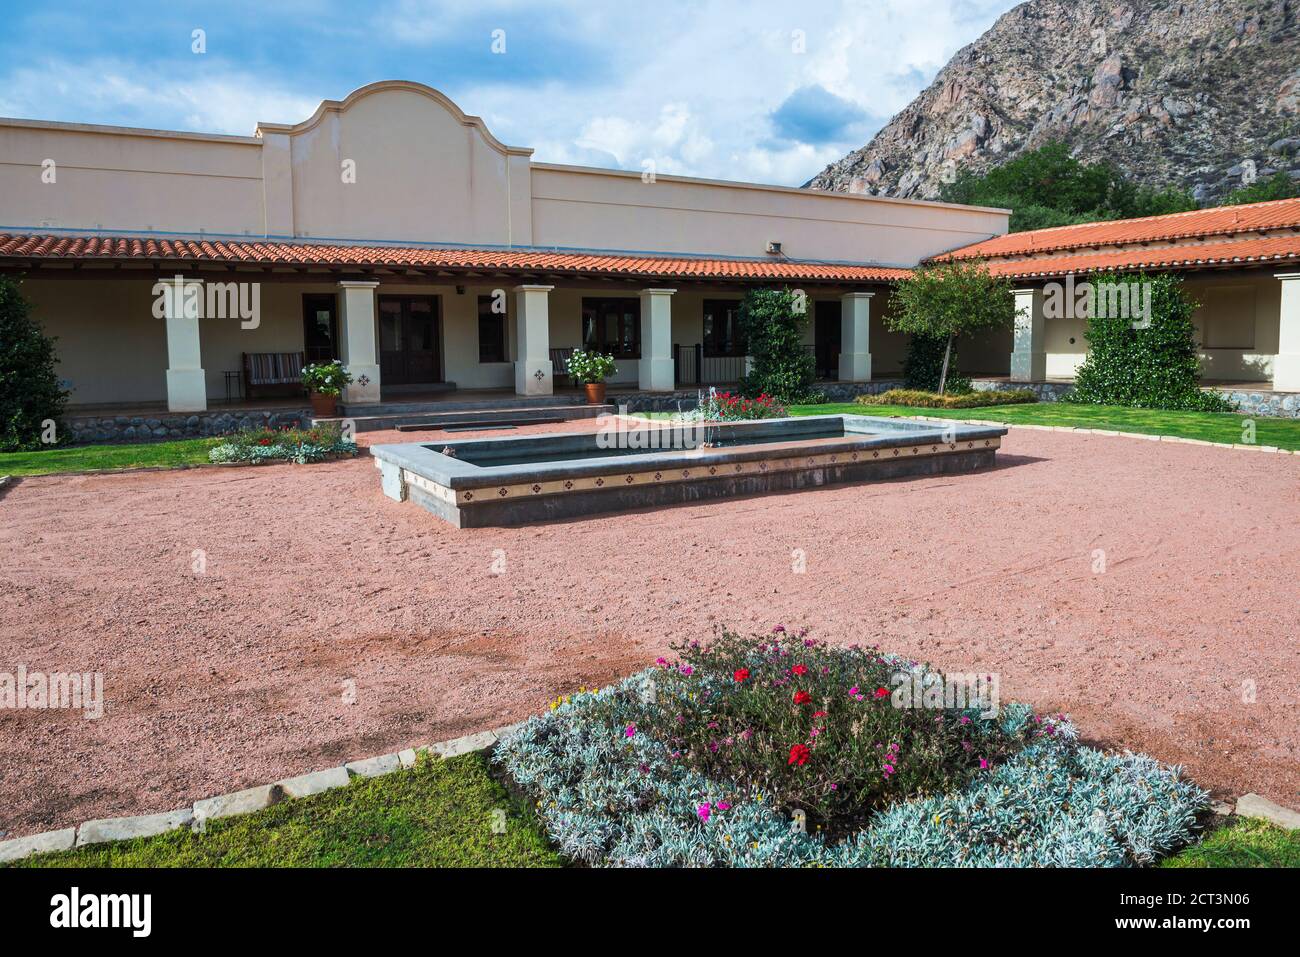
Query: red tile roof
37	248
1278	250
1219	221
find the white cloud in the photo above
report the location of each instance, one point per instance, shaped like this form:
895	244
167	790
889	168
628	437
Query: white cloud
120	94
701	81
691	87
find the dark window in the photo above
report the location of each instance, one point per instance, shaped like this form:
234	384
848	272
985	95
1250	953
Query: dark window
722	328
319	327
612	326
491	330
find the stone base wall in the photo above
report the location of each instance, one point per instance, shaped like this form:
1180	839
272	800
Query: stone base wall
686	399
1281	405
1046	391
158	427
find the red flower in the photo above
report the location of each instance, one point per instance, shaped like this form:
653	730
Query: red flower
802	697
800	669
819	714
741	674
799	755
882	692
264	442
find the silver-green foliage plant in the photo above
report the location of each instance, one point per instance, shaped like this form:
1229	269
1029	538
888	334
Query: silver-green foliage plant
609	794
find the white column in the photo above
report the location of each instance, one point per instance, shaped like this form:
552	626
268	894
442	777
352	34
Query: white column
655	370
1029	358
533	375
1286	366
187	389
360	352
855	337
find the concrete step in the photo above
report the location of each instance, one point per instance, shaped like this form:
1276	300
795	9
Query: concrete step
413	420
397	406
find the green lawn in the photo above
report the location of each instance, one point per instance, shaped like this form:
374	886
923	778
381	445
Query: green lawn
83	458
441	814
1243	843
1208	426
438	814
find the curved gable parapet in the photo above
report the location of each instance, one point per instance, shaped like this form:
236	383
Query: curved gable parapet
382	86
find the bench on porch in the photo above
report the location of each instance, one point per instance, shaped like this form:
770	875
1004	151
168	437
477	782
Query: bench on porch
275	373
560	363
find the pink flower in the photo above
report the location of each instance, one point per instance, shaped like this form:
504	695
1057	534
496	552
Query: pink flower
984	764
704	810
723	806
662	662
629	731
687	670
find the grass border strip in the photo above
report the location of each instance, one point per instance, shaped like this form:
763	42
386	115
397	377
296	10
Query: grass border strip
1148	436
247	801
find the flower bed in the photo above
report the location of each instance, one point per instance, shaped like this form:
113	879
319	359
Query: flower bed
283	445
726	407
917	399
783	751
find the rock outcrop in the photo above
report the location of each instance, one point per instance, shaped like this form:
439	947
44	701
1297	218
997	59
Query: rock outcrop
1203	95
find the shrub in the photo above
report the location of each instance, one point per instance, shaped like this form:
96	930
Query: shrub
815	727
725	407
611	791
951	299
326	378
923	366
1153	367
283	445
30	394
589	366
930	400
773	323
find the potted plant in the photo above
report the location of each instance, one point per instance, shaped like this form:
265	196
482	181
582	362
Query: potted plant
325	382
591	369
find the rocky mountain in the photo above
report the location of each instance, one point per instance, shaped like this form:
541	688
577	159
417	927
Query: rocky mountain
1202	94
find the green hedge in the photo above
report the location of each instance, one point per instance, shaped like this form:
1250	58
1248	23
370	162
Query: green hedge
1152	364
917	398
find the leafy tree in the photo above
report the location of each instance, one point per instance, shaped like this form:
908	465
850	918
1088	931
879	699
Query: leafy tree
923	366
1277	186
30	395
950	299
773	323
1150	363
1049	187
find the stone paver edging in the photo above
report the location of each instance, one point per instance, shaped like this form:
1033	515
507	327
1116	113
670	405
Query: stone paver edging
1150	437
246	801
1077	430
263	796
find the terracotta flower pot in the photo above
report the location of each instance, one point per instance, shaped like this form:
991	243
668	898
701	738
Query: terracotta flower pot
324	406
595	393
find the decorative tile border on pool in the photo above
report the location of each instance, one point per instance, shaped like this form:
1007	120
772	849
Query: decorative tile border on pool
666	474
520	480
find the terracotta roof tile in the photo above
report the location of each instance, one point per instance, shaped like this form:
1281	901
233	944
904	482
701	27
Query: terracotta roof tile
272	253
1219	221
1278	250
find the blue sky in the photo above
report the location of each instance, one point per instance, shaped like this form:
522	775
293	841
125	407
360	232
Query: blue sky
760	91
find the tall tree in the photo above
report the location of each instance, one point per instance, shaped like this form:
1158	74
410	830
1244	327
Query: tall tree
949	299
31	400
